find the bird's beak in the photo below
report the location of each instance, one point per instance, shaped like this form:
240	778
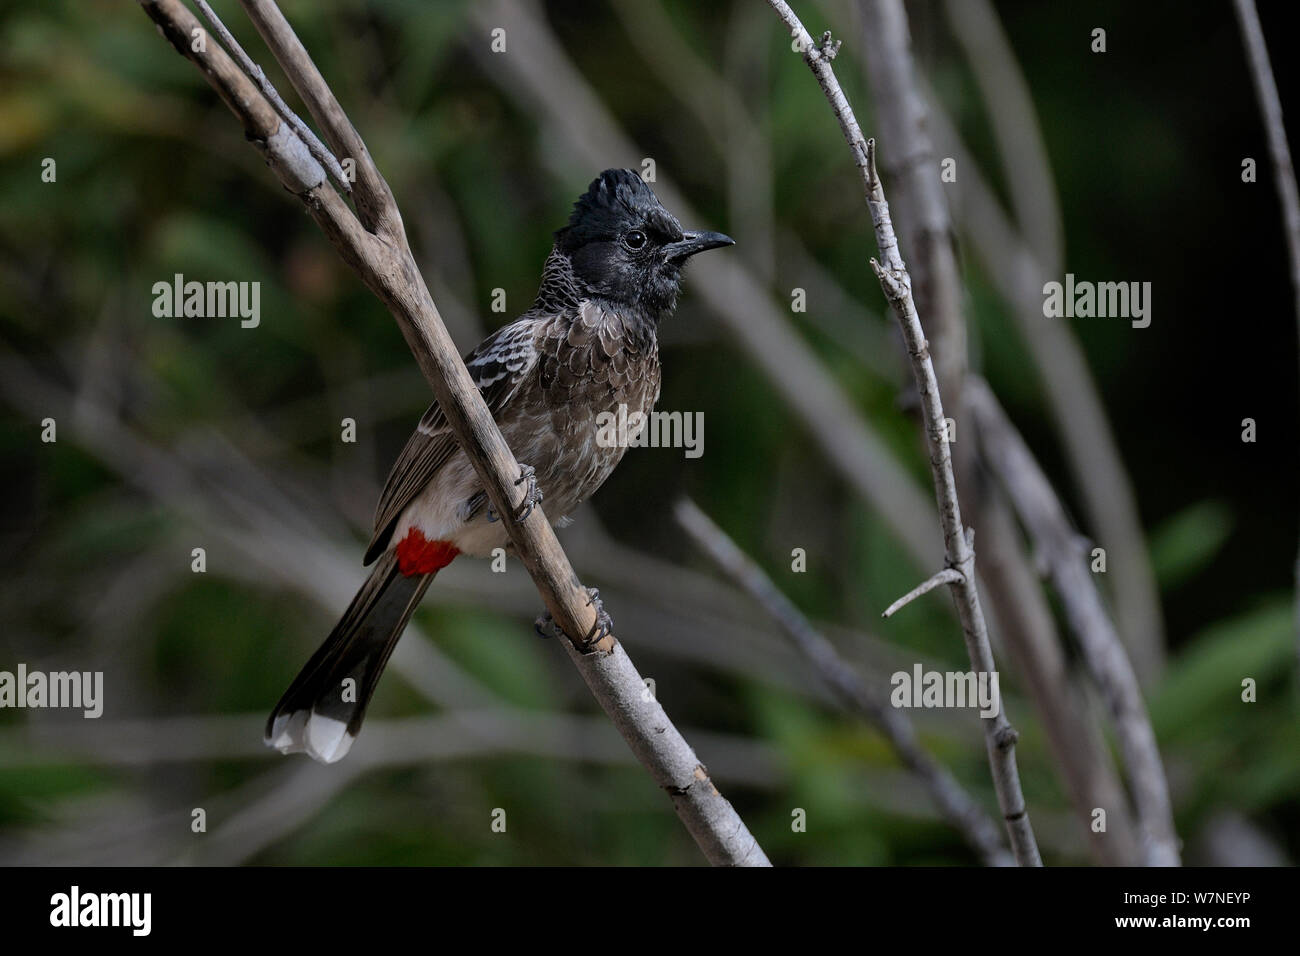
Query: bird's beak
693	242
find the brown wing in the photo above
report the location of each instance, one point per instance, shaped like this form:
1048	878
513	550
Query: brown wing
498	366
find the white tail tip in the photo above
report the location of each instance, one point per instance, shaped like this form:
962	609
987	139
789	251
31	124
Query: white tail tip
322	738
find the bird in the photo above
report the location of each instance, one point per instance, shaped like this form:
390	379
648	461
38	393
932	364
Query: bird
587	344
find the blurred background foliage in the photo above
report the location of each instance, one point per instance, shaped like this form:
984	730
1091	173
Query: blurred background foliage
183	433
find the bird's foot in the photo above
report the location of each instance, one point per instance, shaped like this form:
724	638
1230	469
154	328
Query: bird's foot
604	624
532	495
546	627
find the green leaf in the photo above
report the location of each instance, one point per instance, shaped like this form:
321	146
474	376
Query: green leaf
1183	545
1203	687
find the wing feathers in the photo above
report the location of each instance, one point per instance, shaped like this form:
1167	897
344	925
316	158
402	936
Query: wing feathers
498	366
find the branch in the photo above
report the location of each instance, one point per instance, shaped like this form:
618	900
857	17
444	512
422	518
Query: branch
1058	546
314	145
946	576
900	112
1000	737
373	243
1020	612
954	803
1018	273
1270	104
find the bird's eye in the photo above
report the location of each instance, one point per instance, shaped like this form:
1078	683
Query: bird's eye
634	239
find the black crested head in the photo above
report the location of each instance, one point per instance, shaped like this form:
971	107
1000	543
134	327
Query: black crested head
623	245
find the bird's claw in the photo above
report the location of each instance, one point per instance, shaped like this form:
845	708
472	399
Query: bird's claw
546	627
532	495
604	624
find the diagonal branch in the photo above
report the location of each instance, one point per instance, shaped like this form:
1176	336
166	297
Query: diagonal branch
1018	272
376	207
255	72
1020	616
856	695
1000	736
377	250
1058	546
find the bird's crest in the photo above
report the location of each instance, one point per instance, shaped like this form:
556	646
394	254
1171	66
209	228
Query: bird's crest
616	198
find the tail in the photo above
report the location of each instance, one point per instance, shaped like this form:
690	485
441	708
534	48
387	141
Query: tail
321	712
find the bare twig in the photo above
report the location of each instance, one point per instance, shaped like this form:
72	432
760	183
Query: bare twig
926	232
1060	548
454	734
1022	617
954	803
255	73
1033	642
1270	104
946	576
1018	273
374	244
1000	737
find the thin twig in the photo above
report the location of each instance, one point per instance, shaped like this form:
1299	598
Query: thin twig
1270	104
1058	547
1000	737
255	73
918	195
1018	274
956	805
946	576
374	243
1017	608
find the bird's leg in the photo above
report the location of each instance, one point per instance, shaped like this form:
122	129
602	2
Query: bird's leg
546	627
532	496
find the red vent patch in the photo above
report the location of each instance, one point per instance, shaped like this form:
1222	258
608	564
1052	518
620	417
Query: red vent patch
416	554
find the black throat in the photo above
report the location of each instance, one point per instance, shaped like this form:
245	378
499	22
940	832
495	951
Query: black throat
562	291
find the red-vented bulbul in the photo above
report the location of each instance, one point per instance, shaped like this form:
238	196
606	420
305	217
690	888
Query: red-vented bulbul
586	346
